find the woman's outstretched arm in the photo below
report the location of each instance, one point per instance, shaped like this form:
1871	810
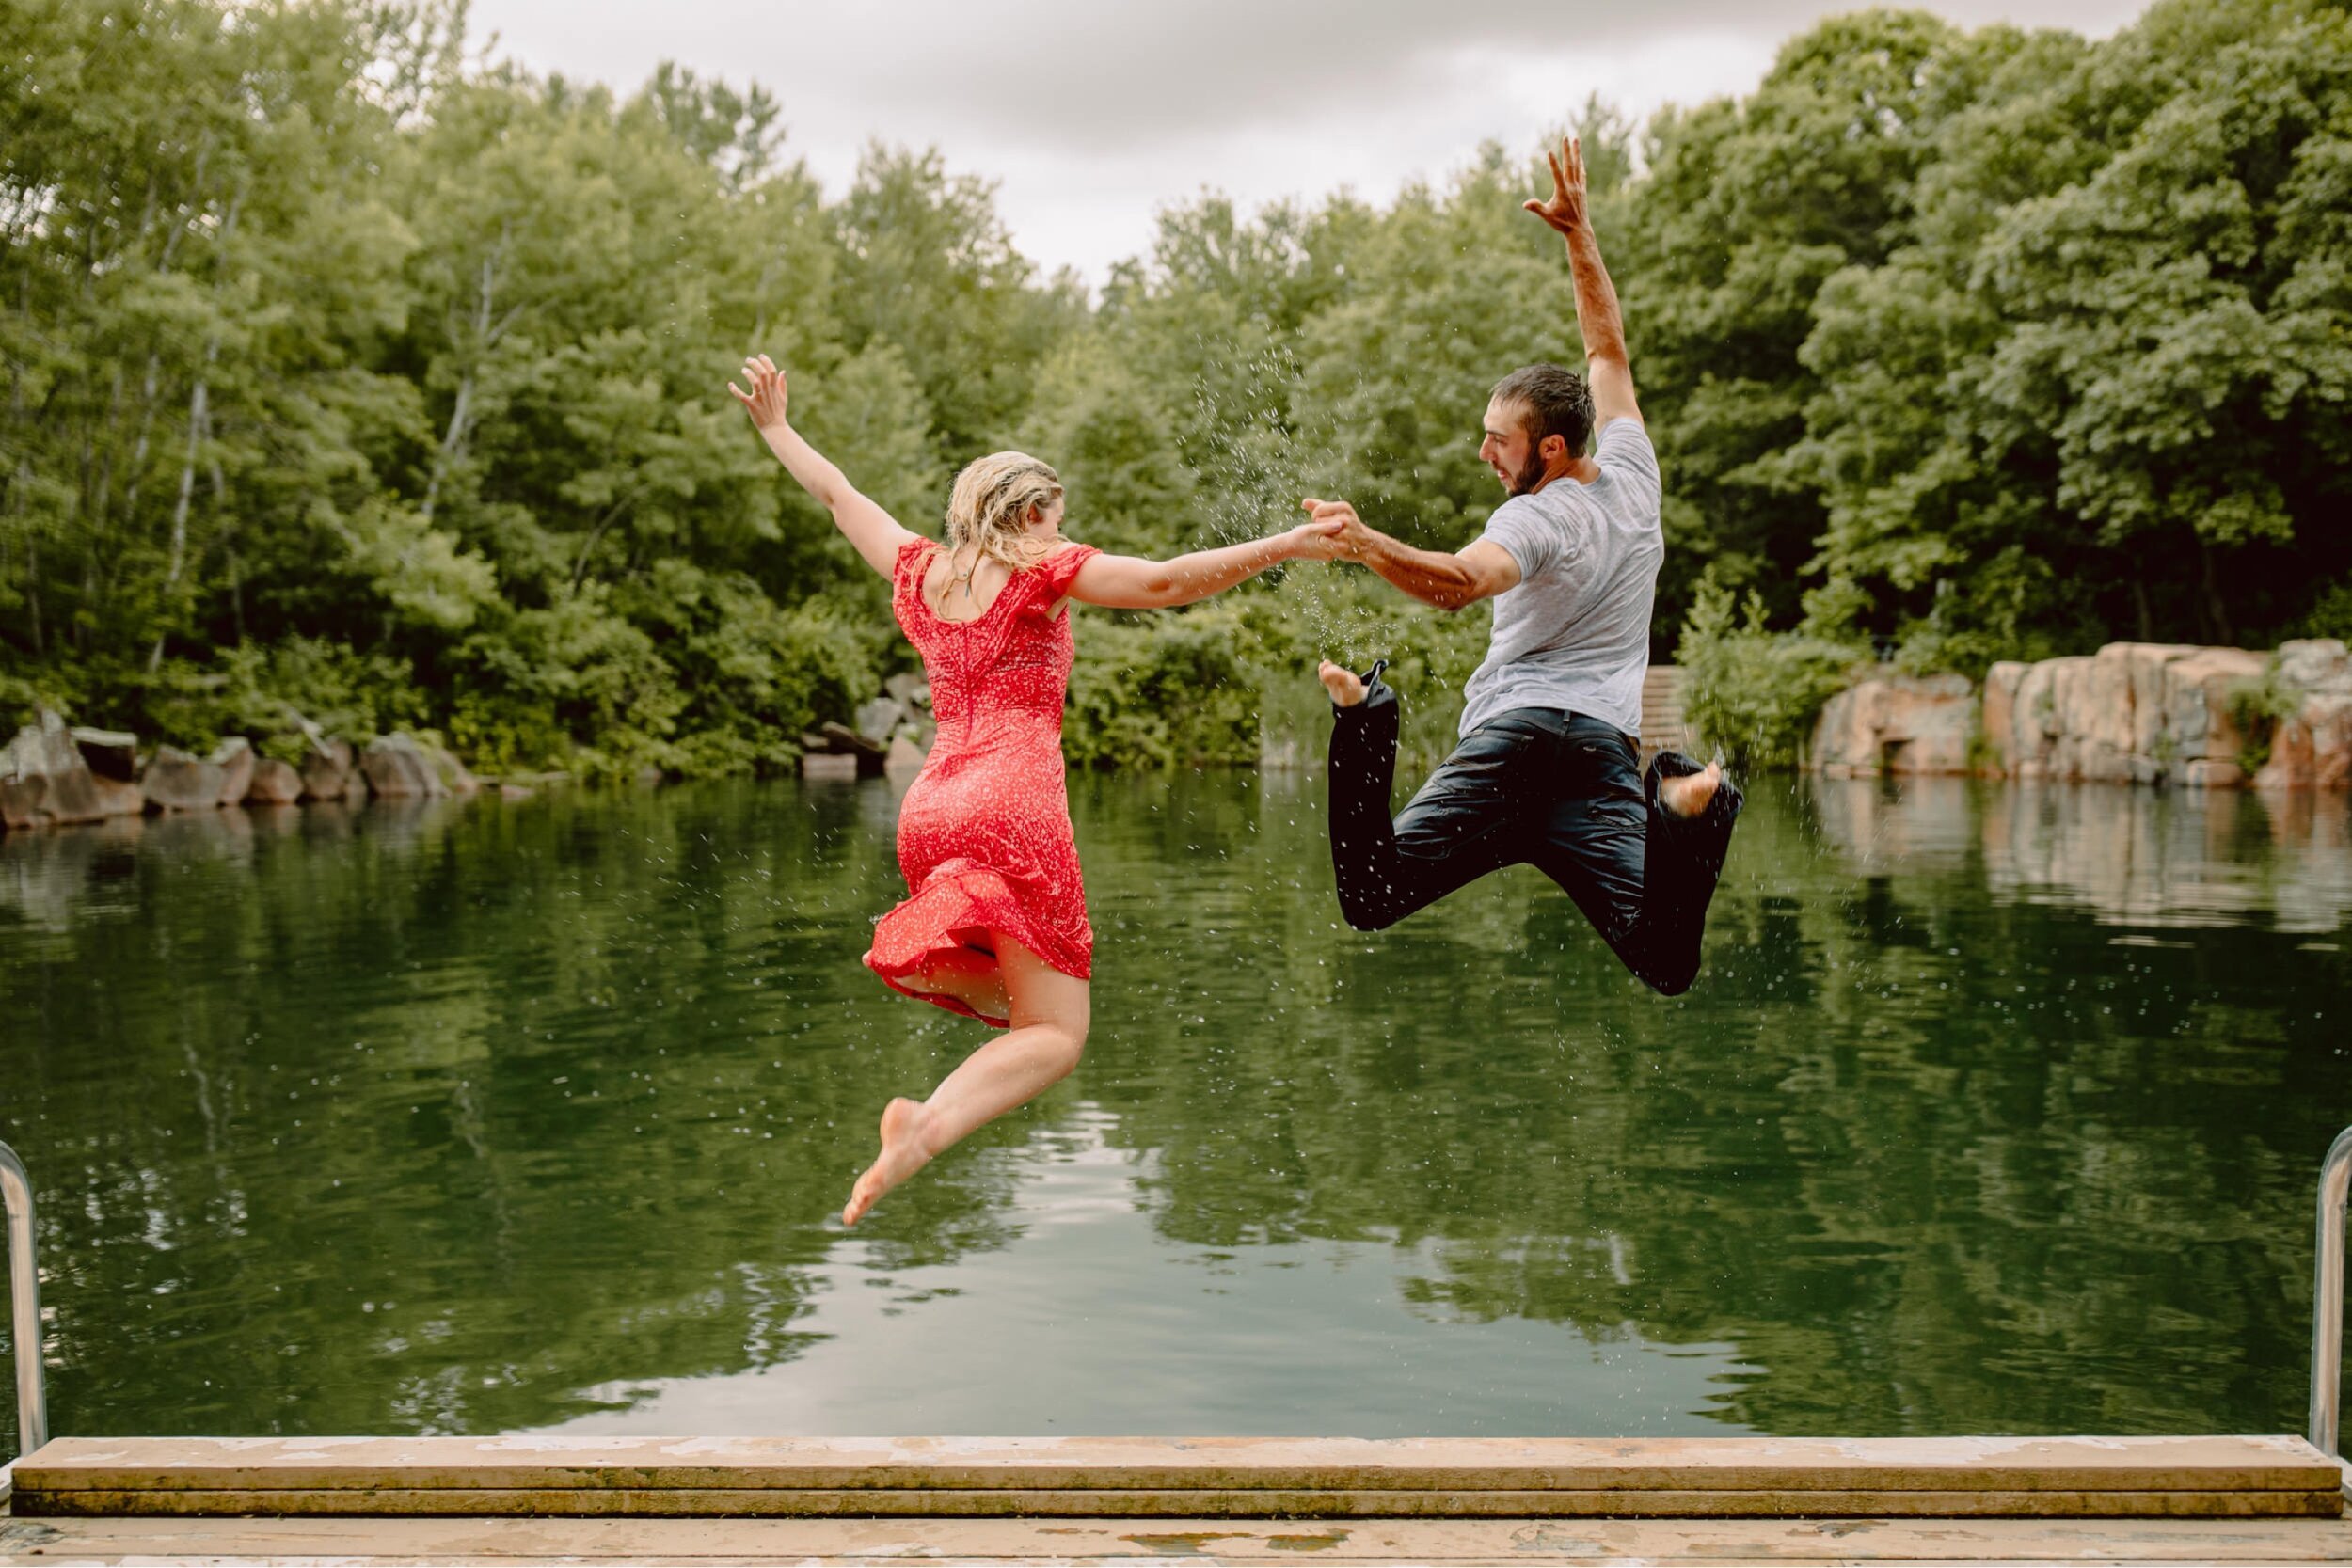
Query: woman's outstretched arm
875	532
1131	582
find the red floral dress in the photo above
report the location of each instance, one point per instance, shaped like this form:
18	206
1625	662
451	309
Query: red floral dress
984	835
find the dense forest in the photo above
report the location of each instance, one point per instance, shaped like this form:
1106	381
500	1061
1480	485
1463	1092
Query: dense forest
351	377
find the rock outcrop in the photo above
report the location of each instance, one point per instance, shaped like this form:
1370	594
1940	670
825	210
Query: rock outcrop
177	780
234	758
44	780
110	754
2139	712
454	779
892	734
2163	713
274	784
1896	724
51	775
399	768
2311	747
328	772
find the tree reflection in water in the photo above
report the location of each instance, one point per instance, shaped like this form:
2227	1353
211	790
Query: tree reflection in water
1995	1111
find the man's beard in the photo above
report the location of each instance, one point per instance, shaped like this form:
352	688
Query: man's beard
1531	474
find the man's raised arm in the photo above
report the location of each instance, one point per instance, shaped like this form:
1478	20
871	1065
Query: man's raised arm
1610	372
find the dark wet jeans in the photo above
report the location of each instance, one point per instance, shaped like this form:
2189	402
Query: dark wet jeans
1558	791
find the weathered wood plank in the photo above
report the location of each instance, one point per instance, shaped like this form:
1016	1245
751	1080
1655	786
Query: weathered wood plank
1102	1502
2239	1464
678	1541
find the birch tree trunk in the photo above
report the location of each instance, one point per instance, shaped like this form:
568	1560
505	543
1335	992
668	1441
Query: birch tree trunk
200	429
200	421
487	329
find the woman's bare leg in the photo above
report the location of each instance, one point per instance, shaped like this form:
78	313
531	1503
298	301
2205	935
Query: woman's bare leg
1049	1012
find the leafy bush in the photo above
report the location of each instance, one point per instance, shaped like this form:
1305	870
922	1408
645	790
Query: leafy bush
268	694
2255	708
1753	692
2332	615
756	674
22	696
572	685
1169	691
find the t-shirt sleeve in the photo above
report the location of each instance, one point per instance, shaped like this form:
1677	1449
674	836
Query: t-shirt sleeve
1625	454
1521	528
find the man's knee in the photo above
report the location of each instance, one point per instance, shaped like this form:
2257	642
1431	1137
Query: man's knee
1672	982
1368	912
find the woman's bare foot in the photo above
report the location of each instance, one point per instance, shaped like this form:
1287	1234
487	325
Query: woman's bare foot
903	1154
1342	683
1689	795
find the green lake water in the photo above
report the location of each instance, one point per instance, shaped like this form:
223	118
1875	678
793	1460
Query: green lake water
1993	1111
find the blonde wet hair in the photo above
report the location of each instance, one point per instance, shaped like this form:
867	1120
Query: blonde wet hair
987	511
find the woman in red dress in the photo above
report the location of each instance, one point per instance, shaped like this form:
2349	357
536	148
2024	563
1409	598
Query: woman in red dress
995	924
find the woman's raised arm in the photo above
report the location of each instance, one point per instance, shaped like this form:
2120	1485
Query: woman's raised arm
1131	582
875	532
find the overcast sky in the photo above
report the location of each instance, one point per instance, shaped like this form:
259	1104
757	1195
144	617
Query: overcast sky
1094	114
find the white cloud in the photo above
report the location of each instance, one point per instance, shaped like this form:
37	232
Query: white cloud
1094	115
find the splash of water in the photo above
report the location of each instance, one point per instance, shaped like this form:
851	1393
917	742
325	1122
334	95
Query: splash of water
1256	456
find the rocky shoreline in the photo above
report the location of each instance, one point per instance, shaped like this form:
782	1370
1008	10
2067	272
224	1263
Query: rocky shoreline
53	774
2156	712
889	735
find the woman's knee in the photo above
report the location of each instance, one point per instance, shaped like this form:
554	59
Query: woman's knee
1066	1043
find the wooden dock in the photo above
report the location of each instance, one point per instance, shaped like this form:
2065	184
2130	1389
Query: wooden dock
522	1500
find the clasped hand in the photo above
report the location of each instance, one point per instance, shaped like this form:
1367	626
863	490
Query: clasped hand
1347	536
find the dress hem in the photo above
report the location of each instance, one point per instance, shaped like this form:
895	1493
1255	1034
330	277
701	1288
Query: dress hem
932	922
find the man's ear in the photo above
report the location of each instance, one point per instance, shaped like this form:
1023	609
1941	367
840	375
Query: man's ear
1553	448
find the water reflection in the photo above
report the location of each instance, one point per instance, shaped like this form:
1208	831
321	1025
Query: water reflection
1175	1339
505	1117
2143	857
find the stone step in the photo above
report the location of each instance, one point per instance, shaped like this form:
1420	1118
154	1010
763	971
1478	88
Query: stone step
1663	726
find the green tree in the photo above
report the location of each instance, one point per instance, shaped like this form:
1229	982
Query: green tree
1746	210
2103	391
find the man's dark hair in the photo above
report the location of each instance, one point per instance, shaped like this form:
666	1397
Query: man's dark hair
1552	401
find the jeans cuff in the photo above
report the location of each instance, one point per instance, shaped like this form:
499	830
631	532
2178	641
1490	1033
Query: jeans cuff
1377	694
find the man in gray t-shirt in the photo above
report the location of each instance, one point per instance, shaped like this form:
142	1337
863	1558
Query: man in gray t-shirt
1547	773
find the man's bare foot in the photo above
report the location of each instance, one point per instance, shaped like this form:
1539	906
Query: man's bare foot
1342	683
1689	795
903	1154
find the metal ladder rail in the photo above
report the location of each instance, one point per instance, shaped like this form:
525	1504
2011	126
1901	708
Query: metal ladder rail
32	1401
2335	1181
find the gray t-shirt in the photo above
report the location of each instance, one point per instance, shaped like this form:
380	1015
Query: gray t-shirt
1574	635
